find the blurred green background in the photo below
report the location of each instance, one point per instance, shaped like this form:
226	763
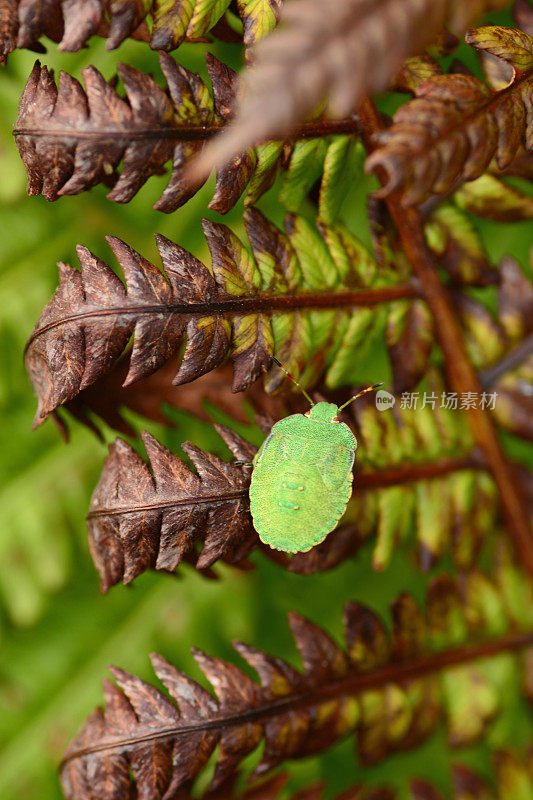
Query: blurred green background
57	634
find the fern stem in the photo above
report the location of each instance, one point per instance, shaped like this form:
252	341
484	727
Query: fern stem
244	305
227	497
396	476
461	374
395	673
192	133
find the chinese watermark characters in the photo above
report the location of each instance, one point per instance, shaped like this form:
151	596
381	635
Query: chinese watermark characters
452	401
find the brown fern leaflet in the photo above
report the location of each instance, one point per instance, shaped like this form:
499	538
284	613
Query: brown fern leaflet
73	22
70	139
136	521
351	51
244	306
299	713
456	125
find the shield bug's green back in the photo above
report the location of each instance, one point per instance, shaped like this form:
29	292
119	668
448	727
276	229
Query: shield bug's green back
302	478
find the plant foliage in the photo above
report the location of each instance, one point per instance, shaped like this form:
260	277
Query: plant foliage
512	776
71	139
351	51
136	521
471	124
390	690
416	470
306	298
295	296
424	286
73	22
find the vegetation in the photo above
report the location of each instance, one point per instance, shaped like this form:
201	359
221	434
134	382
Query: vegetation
366	237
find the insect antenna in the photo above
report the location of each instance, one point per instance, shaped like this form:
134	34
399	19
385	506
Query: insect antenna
363	391
280	365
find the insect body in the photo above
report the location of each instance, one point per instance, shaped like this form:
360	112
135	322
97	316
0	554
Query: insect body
302	478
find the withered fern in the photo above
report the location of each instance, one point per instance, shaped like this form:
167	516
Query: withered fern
71	139
471	124
73	22
511	775
295	296
353	50
251	307
304	297
136	522
421	673
417	469
273	789
440	487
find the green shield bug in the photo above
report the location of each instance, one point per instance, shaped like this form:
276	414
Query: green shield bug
302	476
